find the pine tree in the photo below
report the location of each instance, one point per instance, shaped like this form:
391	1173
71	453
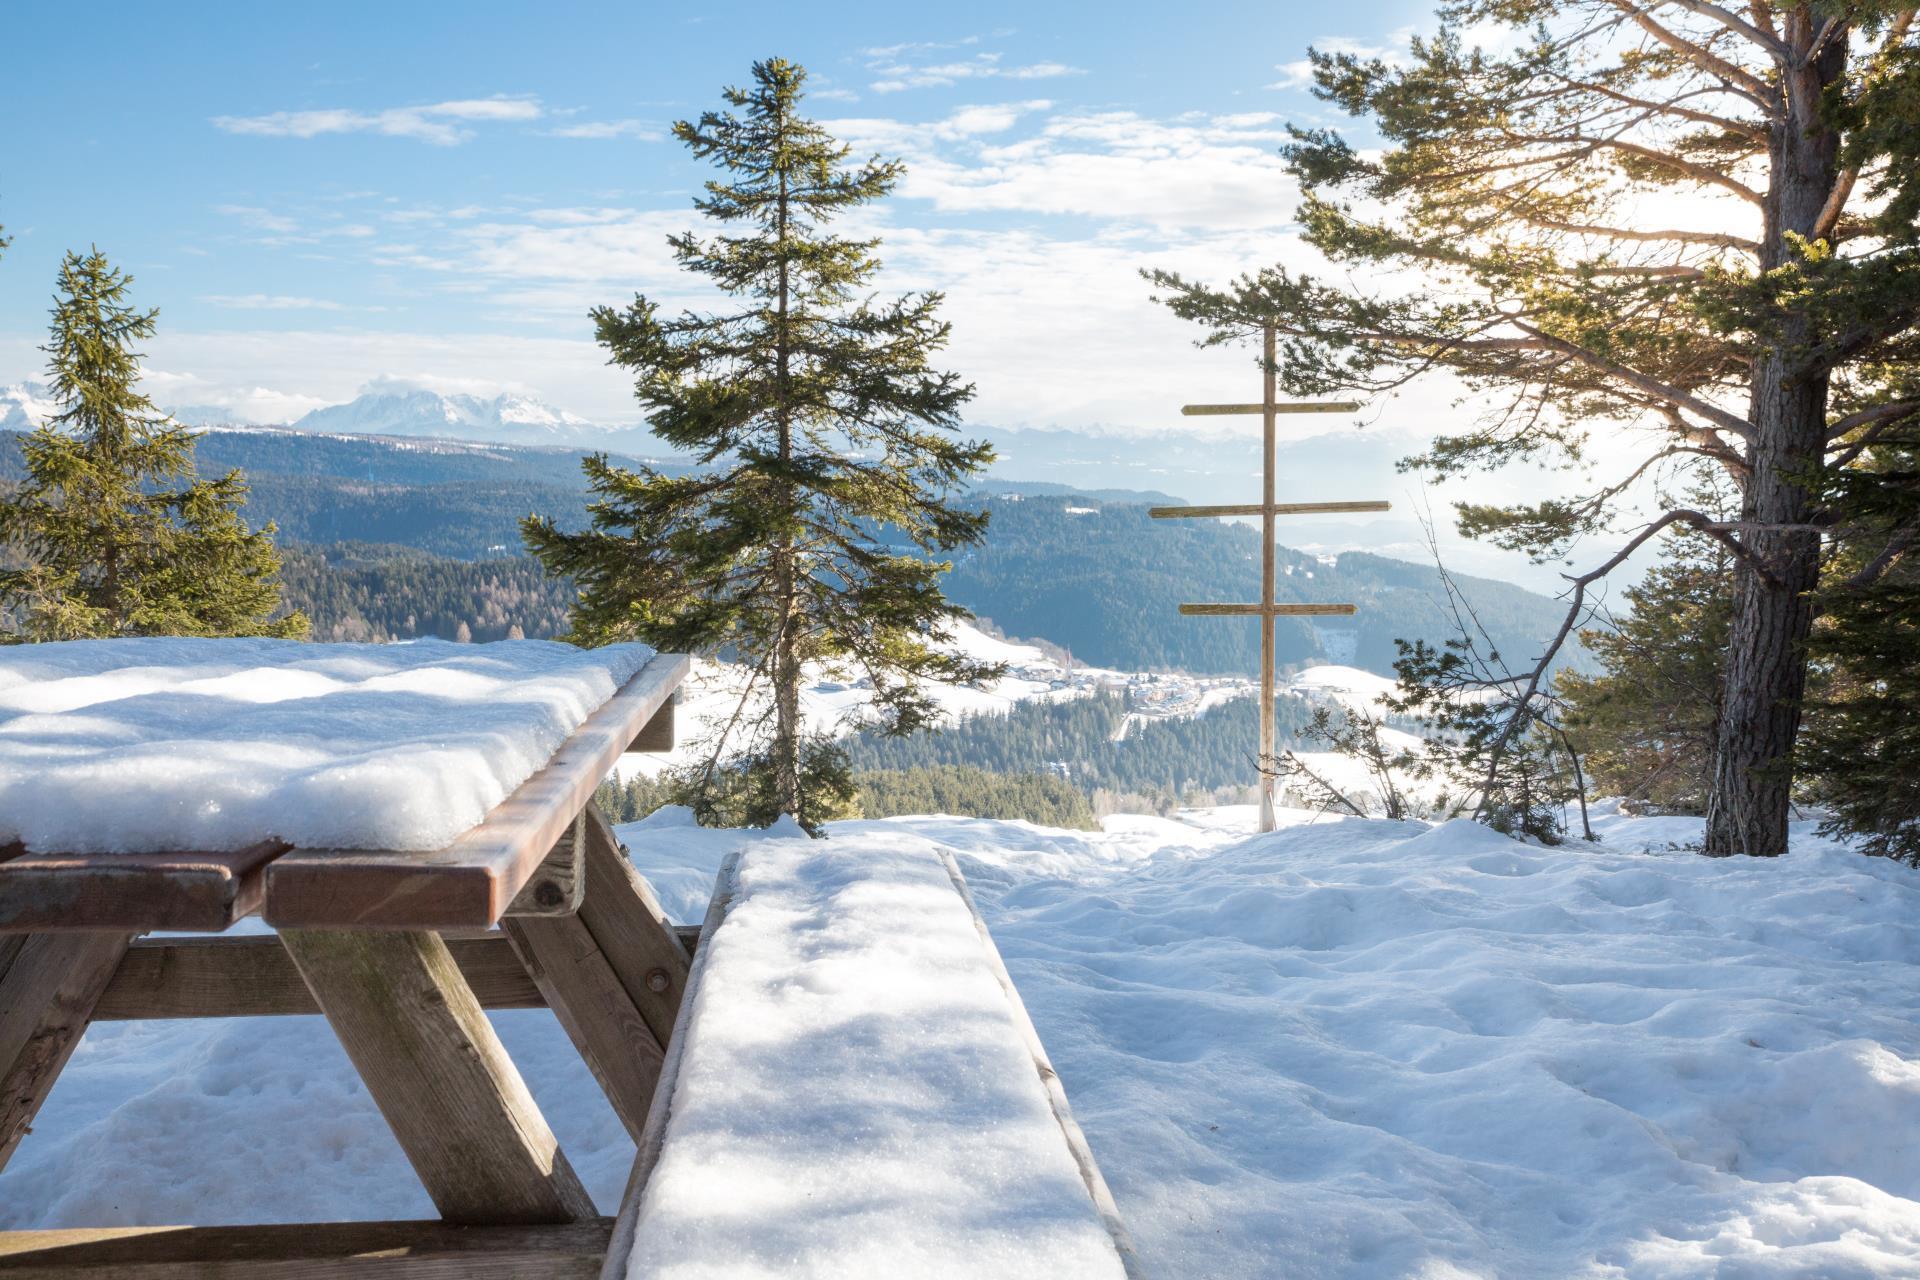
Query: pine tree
827	439
1749	333
1861	755
117	534
1648	721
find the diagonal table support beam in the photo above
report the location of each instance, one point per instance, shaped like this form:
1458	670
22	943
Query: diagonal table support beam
440	1076
49	986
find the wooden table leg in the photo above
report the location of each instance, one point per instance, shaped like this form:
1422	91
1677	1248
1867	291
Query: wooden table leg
613	973
47	994
432	1062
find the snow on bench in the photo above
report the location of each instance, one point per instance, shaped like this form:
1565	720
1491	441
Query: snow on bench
137	745
854	1089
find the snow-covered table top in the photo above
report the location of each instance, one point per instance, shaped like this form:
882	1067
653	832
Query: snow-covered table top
857	1094
116	746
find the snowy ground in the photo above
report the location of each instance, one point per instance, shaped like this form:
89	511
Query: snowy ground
835	701
1348	1049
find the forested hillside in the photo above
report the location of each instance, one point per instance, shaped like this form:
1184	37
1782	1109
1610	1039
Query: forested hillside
1089	572
1158	759
1106	581
358	591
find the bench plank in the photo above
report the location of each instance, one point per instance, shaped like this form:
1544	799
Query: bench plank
311	1251
133	891
440	1076
469	883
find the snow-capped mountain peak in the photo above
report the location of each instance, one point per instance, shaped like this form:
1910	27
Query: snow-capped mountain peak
393	408
25	405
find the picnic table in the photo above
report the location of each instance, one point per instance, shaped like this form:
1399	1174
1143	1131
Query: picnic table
403	952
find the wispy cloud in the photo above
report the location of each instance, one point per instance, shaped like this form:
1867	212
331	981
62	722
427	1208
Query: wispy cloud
898	74
642	130
258	218
270	302
441	123
1299	73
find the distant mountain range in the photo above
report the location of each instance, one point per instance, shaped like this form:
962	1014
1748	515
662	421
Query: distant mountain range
387	407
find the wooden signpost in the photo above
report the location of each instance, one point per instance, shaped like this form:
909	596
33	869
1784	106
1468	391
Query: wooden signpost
1269	408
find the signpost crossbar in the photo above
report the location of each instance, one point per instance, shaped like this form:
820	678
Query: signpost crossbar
1269	407
1278	406
1266	610
1255	509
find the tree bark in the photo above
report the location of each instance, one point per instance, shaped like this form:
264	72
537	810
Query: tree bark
1766	666
786	662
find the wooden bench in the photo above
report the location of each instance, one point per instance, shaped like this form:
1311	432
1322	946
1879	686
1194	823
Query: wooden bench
835	960
403	952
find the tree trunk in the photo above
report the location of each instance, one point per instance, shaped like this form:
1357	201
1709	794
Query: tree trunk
786	661
1766	666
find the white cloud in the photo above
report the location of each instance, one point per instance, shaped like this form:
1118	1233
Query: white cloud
270	302
602	129
439	123
263	219
1191	171
240	401
1299	73
896	75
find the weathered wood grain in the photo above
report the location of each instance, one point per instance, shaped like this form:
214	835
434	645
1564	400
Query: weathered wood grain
469	883
438	1072
311	1251
46	1000
133	891
252	976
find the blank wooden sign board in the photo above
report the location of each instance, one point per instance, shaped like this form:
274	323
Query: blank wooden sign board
403	952
1269	408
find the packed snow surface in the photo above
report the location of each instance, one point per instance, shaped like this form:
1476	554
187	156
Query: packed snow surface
1350	1049
114	746
856	1097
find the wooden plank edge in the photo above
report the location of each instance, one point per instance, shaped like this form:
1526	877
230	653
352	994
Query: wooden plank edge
1090	1174
653	1134
191	891
480	873
657	734
573	1250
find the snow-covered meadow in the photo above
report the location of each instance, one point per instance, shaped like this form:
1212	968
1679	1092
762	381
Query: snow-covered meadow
1352	1048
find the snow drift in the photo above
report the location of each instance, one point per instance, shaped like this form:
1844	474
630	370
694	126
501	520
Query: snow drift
1349	1049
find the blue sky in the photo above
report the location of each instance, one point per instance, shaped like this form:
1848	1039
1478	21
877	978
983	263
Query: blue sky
318	196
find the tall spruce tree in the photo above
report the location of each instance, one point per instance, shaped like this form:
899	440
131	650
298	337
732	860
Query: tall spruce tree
828	440
115	533
1861	759
1692	226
